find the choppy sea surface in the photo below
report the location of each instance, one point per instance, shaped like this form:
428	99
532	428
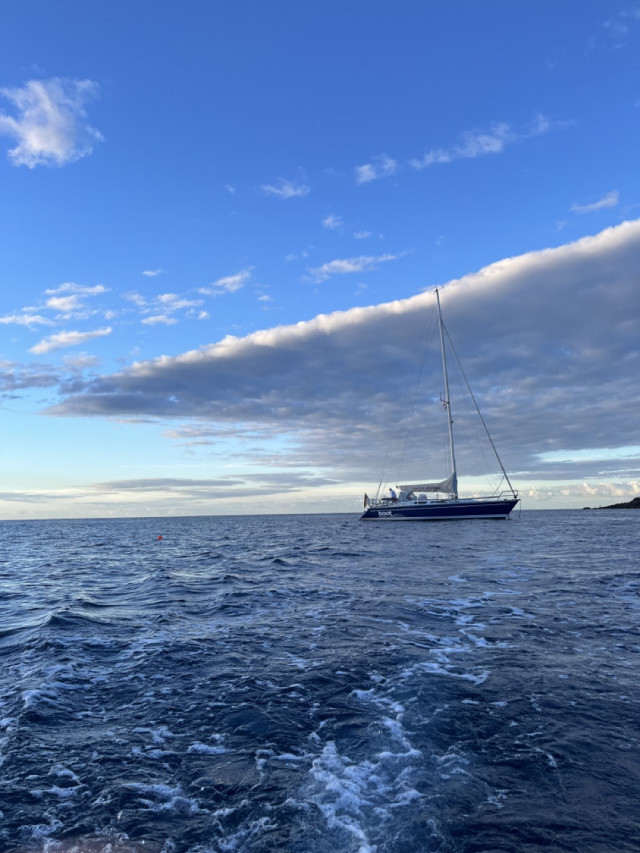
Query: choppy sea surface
314	683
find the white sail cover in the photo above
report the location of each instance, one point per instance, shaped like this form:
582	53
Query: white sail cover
449	486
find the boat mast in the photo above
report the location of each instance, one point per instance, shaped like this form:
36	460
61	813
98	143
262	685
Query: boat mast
447	401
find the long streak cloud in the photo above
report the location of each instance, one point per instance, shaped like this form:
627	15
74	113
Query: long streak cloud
549	340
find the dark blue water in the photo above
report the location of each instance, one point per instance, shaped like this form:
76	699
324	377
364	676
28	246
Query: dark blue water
313	683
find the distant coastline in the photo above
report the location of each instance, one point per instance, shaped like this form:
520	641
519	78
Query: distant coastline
632	504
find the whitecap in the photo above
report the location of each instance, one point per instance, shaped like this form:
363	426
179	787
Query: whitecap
159	797
207	749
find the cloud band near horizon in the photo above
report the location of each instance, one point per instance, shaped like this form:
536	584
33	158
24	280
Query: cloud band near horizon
335	384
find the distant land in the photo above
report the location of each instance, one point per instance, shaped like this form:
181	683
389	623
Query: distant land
632	504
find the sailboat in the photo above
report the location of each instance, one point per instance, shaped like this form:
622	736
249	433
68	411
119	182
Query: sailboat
432	501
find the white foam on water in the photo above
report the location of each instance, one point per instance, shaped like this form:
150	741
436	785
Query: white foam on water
358	797
452	763
159	754
481	642
346	791
450	645
398	734
158	735
265	755
63	793
31	699
159	797
41	831
448	670
64	773
55	681
464	619
289	756
244	838
497	799
550	760
207	748
393	725
80	845
7	725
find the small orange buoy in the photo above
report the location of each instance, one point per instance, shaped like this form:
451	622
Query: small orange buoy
159	537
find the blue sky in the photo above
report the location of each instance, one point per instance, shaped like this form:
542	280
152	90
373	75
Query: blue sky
221	225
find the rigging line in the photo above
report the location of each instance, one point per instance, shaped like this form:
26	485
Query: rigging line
393	448
470	427
475	403
383	476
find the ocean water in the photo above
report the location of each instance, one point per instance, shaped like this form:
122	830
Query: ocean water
313	683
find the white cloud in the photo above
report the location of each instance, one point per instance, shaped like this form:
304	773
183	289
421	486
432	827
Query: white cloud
618	29
340	266
286	189
479	143
160	308
64	303
604	492
160	318
50	124
135	297
541	124
362	235
609	200
152	273
431	158
293	257
331	222
72	287
228	283
381	167
471	144
26	319
62	340
173	302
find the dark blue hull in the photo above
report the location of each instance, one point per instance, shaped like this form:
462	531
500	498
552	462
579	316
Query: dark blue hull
441	510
